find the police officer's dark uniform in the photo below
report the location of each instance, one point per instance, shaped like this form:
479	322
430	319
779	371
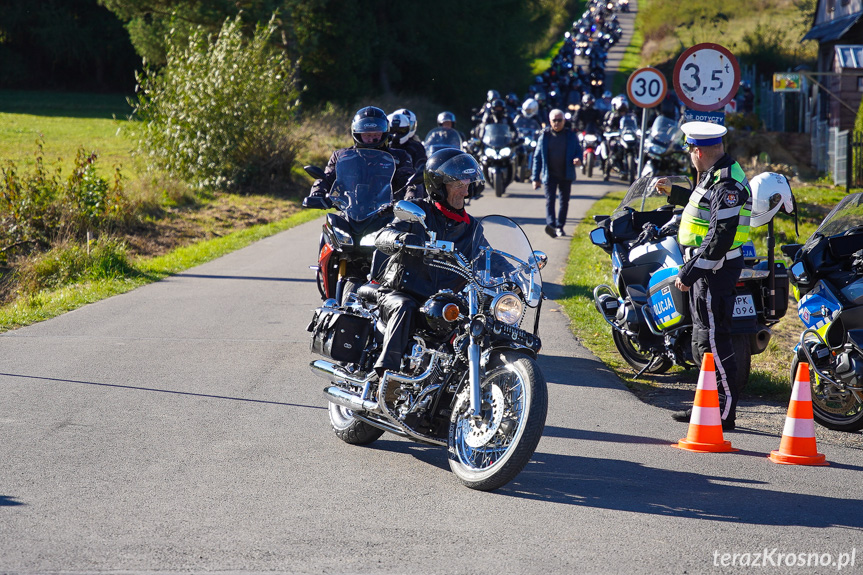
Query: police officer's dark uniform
406	274
715	223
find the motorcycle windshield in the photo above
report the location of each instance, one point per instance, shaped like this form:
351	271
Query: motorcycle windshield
497	135
528	125
363	183
628	124
643	196
665	130
441	138
509	259
846	216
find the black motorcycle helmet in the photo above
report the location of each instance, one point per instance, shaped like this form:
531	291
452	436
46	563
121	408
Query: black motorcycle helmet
491	96
366	120
498	107
446	117
449	165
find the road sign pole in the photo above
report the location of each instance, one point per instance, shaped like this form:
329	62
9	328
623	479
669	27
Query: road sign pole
641	147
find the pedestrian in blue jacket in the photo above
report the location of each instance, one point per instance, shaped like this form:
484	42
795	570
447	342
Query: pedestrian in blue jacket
557	154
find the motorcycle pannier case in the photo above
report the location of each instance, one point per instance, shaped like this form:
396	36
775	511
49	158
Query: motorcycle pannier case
339	335
668	304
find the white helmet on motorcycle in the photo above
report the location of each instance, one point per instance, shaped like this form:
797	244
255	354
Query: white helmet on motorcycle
400	125
770	192
412	118
530	108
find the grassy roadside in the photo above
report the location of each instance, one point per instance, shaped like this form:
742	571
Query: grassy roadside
588	266
51	303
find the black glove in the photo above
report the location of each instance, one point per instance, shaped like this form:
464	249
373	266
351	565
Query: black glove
410	239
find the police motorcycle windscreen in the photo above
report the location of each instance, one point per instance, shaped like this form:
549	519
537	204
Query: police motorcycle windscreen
363	185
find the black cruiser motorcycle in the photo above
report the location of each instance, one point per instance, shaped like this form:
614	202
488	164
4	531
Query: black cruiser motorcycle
650	318
470	381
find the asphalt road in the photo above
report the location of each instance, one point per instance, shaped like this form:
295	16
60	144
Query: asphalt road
177	428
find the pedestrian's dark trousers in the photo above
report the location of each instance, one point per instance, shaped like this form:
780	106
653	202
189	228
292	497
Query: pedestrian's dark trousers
551	188
397	311
712	304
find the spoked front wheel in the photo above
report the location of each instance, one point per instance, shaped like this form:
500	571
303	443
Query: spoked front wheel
489	451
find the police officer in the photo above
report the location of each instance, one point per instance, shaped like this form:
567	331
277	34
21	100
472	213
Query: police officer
714	225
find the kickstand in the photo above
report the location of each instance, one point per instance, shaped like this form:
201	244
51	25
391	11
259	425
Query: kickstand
652	363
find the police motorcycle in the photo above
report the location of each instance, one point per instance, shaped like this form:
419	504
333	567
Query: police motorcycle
649	316
827	275
440	138
497	156
619	149
528	133
362	192
663	149
470	381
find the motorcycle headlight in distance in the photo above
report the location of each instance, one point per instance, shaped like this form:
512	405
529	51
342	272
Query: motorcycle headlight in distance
504	152
507	307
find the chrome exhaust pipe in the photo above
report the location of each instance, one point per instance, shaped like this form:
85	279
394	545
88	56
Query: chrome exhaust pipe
348	400
760	340
336	374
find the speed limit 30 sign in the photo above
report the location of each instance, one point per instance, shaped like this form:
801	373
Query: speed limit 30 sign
706	77
646	87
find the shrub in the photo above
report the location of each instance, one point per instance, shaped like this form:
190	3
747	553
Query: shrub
69	262
219	113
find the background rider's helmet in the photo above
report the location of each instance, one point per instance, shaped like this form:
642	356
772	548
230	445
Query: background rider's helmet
412	118
449	165
369	119
620	104
540	97
606	95
400	125
491	95
512	100
446	117
530	108
498	107
587	100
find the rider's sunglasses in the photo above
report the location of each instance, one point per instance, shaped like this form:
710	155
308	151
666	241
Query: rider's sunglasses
556	120
688	148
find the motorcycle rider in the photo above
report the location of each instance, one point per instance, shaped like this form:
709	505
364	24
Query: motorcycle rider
369	130
611	123
714	225
588	118
496	115
448	175
447	120
400	129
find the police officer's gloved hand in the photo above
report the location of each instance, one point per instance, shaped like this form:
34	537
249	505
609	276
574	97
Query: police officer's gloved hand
409	239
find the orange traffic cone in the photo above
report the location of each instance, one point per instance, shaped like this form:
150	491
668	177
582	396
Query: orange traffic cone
705	424
798	438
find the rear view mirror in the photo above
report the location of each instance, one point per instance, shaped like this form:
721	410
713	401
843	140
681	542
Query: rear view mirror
599	238
315	172
409	212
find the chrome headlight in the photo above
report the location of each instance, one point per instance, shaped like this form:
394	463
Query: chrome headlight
508	308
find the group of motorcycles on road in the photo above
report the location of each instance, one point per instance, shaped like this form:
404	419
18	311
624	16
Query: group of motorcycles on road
470	380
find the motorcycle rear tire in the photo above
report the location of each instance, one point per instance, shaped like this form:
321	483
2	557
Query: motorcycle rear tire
636	358
823	412
590	160
631	167
351	430
485	467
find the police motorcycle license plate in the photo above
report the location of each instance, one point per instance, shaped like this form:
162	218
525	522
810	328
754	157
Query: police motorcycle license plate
744	306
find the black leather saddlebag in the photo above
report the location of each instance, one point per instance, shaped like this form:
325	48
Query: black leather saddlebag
339	335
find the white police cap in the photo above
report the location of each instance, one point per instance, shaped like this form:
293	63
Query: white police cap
703	133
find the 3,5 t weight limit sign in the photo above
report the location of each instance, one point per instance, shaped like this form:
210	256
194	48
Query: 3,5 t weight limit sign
706	77
646	87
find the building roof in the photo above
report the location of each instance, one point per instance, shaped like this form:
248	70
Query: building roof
849	56
832	30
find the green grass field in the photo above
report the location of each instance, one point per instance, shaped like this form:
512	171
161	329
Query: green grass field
66	122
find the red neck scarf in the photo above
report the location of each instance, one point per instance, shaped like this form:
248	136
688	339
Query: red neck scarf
459	217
